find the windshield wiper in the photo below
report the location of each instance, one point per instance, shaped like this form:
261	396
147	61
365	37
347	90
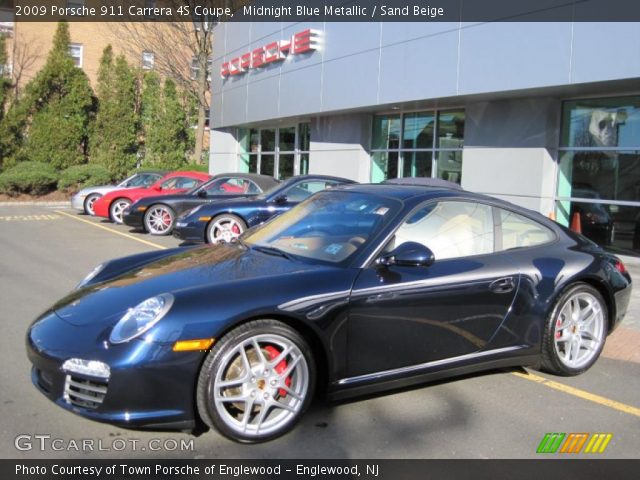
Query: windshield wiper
273	251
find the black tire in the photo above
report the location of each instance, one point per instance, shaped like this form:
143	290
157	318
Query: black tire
156	230
89	201
552	361
225	355
114	207
213	225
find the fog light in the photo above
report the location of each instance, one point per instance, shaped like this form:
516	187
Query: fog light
92	368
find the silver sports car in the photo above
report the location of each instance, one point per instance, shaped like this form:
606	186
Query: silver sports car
84	199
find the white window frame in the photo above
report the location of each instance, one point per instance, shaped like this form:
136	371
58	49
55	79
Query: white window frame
80	58
146	65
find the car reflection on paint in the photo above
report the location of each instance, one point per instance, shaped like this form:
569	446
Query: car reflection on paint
362	288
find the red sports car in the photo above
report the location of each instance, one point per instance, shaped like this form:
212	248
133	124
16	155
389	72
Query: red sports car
113	204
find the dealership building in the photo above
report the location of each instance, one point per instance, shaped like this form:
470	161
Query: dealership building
543	114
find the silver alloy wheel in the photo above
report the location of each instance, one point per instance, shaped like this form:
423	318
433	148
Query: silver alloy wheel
88	203
579	330
261	385
117	209
158	220
225	230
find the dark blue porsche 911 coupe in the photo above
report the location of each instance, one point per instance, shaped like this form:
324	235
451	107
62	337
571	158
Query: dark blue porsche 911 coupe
357	289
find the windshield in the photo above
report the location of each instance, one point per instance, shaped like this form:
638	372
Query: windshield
328	227
228	186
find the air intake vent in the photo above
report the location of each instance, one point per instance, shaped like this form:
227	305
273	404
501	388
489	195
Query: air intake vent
84	393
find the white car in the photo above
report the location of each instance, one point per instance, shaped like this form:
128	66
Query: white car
85	198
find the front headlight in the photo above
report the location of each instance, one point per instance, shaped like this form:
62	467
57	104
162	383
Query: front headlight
141	318
92	274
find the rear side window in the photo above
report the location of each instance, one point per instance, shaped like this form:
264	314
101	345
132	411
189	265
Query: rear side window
519	231
450	229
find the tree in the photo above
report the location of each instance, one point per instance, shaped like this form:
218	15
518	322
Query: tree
5	82
182	52
113	138
60	103
165	126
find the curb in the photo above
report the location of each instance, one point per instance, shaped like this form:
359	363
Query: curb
35	203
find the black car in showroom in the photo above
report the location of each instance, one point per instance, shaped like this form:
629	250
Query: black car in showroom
360	287
225	220
157	215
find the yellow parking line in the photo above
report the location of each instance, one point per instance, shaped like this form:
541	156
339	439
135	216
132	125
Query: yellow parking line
607	402
131	237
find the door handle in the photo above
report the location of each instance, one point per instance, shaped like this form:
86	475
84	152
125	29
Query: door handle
503	285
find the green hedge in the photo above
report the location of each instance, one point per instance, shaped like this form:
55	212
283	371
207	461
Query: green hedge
34	178
80	176
195	167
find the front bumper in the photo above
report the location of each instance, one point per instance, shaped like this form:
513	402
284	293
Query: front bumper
149	386
77	201
189	231
133	218
101	208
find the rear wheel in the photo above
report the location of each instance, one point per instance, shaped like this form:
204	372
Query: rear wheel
575	332
256	382
159	220
89	201
117	208
225	228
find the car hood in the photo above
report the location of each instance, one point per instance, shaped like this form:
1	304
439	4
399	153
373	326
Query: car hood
205	266
131	193
101	189
184	196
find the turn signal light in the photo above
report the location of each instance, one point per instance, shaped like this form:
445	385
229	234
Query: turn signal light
193	345
204	219
141	209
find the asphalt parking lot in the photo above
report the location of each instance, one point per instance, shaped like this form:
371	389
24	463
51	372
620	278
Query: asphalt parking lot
46	250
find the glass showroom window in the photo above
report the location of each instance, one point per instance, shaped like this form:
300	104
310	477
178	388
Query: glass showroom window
281	152
418	144
599	171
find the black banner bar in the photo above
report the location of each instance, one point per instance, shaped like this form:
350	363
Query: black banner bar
211	11
319	469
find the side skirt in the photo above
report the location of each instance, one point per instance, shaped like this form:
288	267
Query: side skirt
348	388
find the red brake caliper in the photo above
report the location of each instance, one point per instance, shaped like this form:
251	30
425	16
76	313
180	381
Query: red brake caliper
281	367
558	332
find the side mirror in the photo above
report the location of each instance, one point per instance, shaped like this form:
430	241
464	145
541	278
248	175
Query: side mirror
202	193
409	254
158	188
280	199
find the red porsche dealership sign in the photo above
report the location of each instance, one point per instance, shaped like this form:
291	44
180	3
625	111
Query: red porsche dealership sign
305	41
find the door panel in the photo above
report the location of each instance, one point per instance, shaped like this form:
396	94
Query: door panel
403	316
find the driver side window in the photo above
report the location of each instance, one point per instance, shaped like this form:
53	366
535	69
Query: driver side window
450	229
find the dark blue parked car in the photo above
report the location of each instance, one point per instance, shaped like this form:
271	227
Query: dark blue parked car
361	287
225	220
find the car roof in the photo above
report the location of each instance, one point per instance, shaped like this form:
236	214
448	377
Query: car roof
199	175
318	177
263	181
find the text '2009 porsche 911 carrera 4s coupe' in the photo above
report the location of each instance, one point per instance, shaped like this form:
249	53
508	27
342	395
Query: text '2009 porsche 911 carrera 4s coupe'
361	287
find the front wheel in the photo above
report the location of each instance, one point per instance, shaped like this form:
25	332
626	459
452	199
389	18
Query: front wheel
575	332
257	381
225	228
117	208
89	201
159	220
